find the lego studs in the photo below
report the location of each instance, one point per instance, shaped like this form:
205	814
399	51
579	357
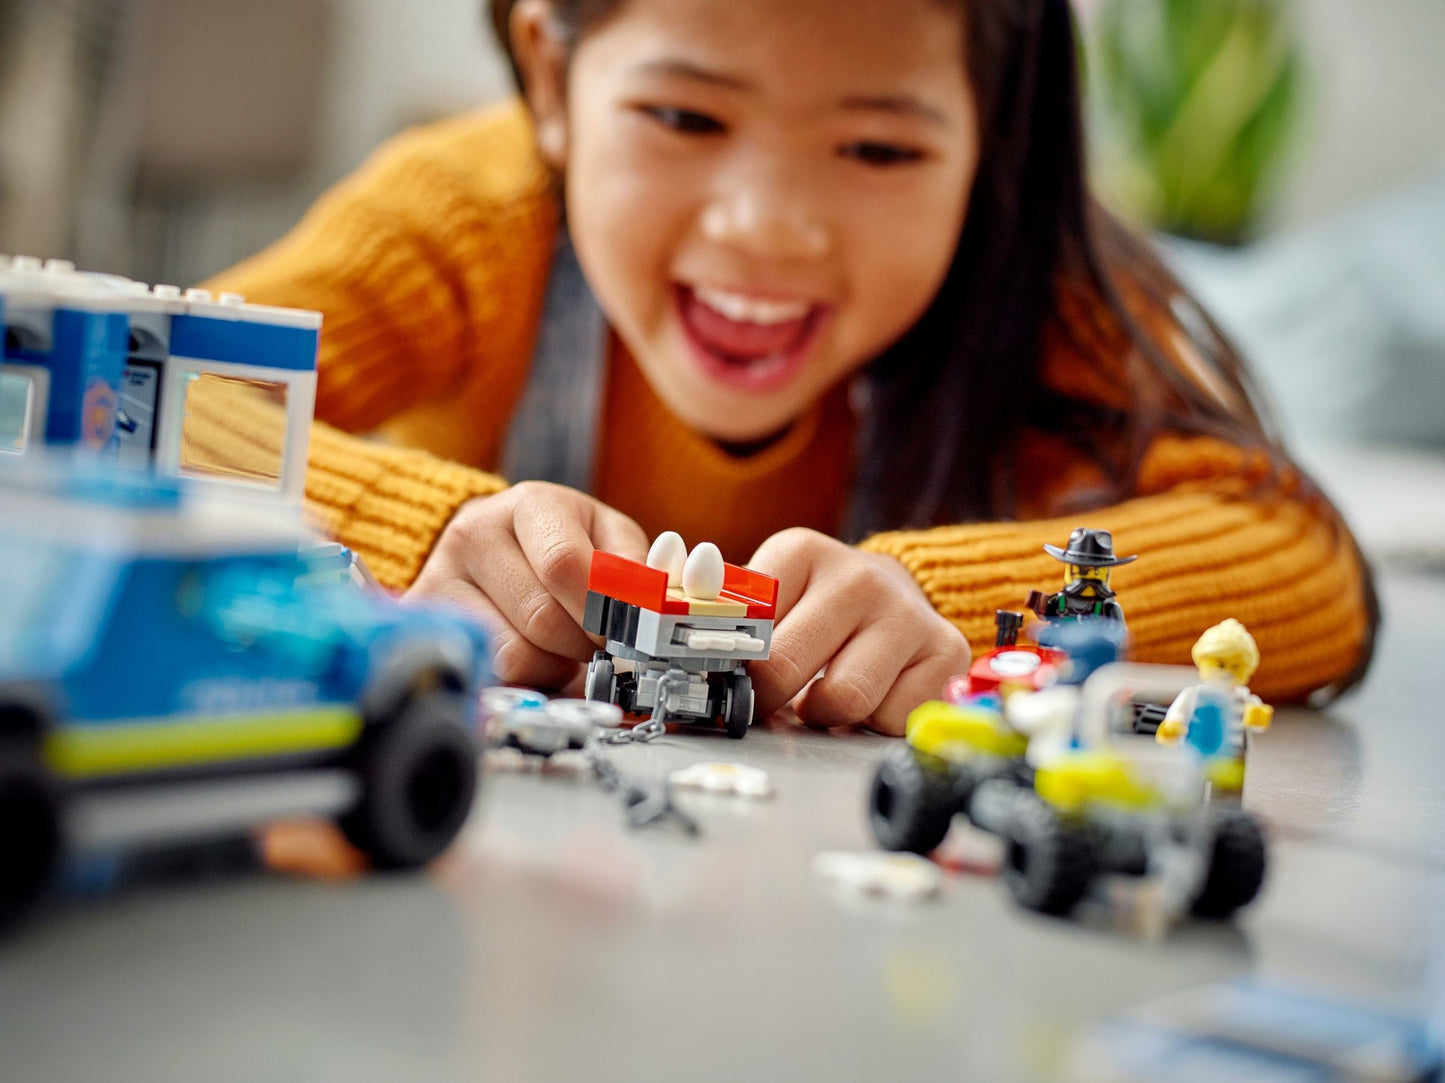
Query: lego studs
699	574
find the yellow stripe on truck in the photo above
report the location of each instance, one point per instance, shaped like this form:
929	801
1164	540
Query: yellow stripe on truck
116	748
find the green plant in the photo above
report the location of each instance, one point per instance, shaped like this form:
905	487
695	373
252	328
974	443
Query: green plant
1193	103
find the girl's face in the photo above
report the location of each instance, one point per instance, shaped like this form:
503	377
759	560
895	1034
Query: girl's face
764	195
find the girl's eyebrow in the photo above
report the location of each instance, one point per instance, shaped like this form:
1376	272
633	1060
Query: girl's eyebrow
686	69
901	104
898	104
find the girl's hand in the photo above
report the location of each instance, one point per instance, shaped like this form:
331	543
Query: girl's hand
519	561
862	619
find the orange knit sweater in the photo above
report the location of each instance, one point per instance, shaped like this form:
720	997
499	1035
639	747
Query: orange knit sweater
430	265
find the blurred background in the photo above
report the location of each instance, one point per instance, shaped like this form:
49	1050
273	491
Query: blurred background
1289	155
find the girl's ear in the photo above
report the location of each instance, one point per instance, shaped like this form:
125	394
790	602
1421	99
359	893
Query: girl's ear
541	55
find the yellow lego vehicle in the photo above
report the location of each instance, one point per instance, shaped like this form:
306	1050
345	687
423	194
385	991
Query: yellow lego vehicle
1074	794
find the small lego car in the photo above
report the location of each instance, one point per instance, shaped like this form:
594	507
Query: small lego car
537	726
678	634
171	670
1008	663
1077	796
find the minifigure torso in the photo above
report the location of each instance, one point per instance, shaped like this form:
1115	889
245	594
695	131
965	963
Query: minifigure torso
1083	598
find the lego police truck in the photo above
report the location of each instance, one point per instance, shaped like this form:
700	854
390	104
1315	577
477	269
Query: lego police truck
172	669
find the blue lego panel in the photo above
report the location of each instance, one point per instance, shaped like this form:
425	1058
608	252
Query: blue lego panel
86	360
244	343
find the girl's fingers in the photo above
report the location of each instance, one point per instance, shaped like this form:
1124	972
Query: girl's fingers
804	641
789	557
514	659
558	538
921	680
859	676
505	574
613	532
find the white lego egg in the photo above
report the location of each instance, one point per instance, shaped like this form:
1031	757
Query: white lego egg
668	553
702	575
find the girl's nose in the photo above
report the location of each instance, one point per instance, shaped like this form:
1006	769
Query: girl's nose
766	221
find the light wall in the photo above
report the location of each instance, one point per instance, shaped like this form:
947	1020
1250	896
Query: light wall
1378	91
1373	124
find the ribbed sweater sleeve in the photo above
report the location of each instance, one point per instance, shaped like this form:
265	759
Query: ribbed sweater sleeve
428	265
388	504
1216	539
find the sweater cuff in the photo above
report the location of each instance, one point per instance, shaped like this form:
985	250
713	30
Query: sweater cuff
387	504
1285	568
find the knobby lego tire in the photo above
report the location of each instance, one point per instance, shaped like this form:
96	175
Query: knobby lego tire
911	802
1236	866
418	777
1049	860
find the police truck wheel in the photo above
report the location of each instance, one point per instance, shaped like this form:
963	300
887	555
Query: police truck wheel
738	713
911	803
30	839
1048	861
418	778
1236	866
600	679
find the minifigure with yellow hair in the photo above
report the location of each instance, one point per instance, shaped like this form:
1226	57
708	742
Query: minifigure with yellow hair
1215	715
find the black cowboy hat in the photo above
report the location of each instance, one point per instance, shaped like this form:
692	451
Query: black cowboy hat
1089	549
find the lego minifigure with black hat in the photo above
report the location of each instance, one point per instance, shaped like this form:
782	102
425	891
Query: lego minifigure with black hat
1088	555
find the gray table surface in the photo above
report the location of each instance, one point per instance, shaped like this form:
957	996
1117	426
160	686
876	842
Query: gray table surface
554	943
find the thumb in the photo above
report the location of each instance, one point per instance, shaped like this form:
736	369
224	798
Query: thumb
613	532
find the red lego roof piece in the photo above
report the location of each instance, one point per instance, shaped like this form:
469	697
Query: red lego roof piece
757	591
632	582
636	584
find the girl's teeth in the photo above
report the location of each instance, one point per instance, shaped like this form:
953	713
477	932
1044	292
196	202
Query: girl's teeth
747	310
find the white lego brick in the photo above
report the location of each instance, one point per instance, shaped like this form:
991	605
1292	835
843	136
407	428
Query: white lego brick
738	779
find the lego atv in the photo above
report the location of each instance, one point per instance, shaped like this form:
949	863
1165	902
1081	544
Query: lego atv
678	655
1117	804
1015	665
1009	662
171	672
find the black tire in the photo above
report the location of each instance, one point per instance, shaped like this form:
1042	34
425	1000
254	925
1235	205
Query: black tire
1237	863
31	837
600	673
911	802
1048	860
739	713
418	778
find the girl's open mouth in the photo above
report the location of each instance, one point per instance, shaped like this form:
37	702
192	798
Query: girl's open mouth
749	344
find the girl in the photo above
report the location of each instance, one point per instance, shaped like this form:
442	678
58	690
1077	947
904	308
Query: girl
777	274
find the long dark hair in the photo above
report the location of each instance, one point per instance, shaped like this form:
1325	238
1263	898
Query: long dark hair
1036	257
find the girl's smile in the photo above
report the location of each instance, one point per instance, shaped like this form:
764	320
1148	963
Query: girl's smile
752	344
763	196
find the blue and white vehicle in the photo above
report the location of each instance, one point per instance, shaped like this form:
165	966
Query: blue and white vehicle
172	668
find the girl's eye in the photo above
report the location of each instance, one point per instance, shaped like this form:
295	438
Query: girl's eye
685	121
881	154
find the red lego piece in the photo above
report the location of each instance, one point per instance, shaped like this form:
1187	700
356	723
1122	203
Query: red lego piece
636	584
631	582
